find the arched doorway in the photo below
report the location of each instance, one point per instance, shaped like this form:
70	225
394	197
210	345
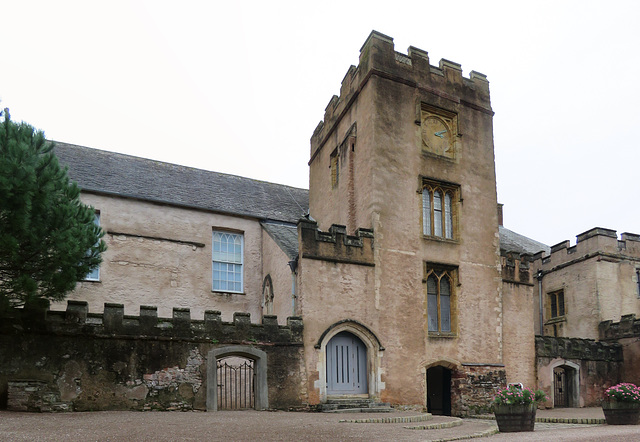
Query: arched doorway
256	361
439	390
565	383
236	383
563	386
346	359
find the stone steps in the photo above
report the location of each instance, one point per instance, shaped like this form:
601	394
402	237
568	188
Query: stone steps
354	406
391	420
434	428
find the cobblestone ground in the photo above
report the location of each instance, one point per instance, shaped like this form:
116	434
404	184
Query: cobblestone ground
267	426
574	432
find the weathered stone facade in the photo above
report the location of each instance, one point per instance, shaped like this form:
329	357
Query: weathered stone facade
161	255
75	360
582	291
592	367
399	129
598	279
626	332
400	258
518	317
474	387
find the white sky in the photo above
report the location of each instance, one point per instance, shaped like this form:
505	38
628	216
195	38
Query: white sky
238	87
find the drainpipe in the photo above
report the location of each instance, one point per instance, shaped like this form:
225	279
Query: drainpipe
293	265
539	276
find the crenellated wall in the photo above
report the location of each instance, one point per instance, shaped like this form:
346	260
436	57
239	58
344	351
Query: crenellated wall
76	360
598	277
335	245
379	58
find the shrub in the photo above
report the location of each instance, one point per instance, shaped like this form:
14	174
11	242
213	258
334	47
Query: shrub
516	395
623	392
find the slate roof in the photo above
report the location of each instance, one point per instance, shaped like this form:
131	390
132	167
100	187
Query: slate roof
134	177
511	241
285	236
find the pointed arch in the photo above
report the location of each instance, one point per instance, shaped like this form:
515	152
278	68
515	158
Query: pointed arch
374	350
267	296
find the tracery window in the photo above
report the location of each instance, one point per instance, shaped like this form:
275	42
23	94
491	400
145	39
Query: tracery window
438	210
440	299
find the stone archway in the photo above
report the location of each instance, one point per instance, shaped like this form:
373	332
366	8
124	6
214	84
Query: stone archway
438	386
565	383
373	349
260	365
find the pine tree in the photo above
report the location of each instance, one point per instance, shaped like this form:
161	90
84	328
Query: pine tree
48	238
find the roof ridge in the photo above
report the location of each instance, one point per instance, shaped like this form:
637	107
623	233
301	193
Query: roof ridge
175	184
110	152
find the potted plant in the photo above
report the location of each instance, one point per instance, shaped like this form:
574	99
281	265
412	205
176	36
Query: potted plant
515	408
621	405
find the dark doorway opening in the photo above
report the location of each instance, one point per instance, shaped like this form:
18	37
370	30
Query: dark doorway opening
563	386
439	391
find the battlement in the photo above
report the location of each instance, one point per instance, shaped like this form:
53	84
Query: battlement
594	242
378	57
335	245
77	320
516	267
627	327
577	348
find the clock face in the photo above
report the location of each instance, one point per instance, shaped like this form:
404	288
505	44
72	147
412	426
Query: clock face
436	137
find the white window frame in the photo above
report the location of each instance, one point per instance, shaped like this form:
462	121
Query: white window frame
94	275
234	264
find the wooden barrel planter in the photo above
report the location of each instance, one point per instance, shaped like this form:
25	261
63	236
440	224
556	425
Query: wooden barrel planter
515	418
621	413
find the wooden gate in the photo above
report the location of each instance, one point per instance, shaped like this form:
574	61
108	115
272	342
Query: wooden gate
346	365
560	387
236	384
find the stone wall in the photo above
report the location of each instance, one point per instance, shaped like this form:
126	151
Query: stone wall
161	255
598	366
626	332
518	307
75	360
597	277
275	265
473	387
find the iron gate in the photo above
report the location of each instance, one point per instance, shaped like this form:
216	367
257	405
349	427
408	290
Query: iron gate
560	388
236	383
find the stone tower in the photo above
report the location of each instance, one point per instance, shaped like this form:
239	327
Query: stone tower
402	175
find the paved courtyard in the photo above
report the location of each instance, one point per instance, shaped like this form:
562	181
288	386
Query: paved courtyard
278	426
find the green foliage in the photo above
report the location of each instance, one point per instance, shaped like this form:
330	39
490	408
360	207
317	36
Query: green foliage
516	395
48	239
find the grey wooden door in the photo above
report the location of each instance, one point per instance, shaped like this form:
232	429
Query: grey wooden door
346	365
